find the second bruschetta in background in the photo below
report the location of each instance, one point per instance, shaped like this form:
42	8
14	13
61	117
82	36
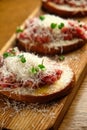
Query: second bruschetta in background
50	35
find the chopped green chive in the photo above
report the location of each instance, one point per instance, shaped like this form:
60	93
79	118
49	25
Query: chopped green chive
61	58
53	25
61	25
41	66
22	58
6	54
34	70
42	17
19	30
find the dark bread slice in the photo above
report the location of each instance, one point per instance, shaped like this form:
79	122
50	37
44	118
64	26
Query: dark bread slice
44	94
40	49
63	10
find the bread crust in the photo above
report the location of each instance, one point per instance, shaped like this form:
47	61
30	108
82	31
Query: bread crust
39	48
40	98
56	9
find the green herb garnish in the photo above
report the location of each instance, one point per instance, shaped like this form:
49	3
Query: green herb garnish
6	54
61	25
41	66
53	25
42	17
22	58
34	70
19	30
61	58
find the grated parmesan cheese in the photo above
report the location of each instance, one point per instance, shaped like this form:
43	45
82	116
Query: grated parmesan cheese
47	111
48	19
52	19
22	71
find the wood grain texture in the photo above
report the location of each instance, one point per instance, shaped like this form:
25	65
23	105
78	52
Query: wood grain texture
76	117
49	116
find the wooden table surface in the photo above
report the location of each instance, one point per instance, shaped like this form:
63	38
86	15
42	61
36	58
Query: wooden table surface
12	14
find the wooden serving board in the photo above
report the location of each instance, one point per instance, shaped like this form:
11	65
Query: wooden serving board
20	116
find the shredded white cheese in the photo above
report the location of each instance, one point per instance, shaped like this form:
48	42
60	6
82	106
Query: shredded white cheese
52	19
23	70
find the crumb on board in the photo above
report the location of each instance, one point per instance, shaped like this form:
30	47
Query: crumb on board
18	108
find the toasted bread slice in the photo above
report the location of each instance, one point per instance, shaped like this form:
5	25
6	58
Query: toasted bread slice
14	73
65	9
50	35
45	50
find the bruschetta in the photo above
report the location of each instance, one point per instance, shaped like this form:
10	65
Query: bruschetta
66	8
29	78
50	35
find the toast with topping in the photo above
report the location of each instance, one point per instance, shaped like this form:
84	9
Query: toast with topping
27	77
66	8
50	35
